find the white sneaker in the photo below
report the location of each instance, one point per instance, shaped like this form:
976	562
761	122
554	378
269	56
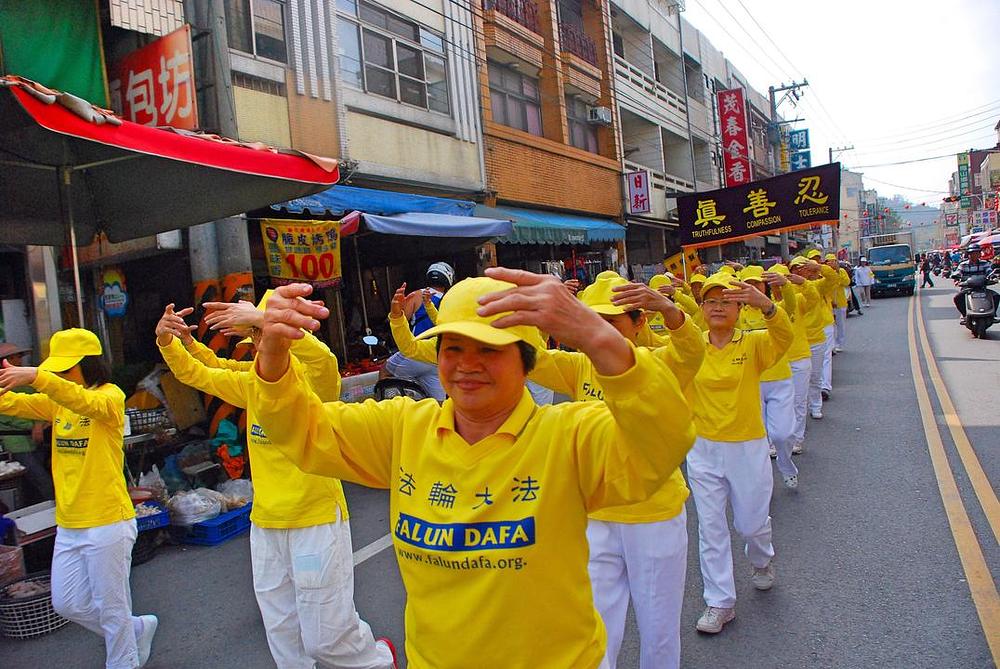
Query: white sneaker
763	577
791	482
797	448
144	641
713	619
818	415
772	451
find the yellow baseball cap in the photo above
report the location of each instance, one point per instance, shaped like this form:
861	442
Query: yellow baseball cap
697	278
260	307
599	294
813	253
68	347
718	280
660	280
457	315
778	268
752	273
797	261
830	256
726	269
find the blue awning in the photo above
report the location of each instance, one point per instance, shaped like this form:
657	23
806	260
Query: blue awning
438	225
534	226
340	199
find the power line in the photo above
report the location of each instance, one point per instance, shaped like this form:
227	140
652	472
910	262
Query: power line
923	190
975	135
905	162
993	108
928	136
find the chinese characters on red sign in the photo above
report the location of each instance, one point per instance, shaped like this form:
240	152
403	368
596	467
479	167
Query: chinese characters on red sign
638	192
735	137
155	85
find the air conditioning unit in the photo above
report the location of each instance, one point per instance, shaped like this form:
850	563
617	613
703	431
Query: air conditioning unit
599	115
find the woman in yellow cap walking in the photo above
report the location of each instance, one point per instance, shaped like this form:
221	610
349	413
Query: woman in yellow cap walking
839	303
489	493
95	520
300	533
729	463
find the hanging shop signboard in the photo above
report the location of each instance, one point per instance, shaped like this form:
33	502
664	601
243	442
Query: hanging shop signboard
735	136
786	202
302	251
638	192
155	84
114	298
963	180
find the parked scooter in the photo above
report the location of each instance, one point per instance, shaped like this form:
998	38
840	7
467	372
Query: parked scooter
980	304
388	387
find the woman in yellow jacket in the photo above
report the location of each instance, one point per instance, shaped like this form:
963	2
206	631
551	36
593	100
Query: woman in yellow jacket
95	520
638	551
300	534
819	326
839	302
488	492
729	463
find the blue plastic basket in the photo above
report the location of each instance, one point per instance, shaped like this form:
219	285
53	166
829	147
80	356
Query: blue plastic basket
161	519
223	527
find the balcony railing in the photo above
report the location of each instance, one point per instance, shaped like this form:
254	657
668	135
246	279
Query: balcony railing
577	42
524	12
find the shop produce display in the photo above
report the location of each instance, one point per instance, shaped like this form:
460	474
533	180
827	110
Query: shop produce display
23	589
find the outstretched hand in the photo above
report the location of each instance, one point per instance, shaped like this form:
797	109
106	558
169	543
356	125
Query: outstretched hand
233	318
288	313
542	301
12	376
747	294
172	324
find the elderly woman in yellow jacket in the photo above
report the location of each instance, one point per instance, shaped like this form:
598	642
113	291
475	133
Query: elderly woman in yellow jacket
95	521
488	492
729	464
638	552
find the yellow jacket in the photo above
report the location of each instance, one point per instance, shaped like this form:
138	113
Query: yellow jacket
284	496
88	457
725	395
821	314
489	535
751	318
840	292
573	374
806	298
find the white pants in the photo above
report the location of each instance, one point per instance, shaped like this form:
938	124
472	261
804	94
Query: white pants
738	473
304	582
840	323
818	353
830	332
777	405
647	561
90	586
801	372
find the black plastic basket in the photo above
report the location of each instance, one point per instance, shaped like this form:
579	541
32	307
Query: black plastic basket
147	420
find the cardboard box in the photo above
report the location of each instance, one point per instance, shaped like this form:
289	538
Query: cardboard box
35	518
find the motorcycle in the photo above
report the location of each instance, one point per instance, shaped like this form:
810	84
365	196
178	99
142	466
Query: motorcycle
980	307
388	387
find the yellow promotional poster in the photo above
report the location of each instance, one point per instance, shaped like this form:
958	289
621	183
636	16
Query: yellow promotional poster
114	298
675	264
302	251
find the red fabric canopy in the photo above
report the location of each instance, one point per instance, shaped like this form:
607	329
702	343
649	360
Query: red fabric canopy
125	179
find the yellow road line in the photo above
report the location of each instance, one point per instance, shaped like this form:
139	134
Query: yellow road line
980	482
981	585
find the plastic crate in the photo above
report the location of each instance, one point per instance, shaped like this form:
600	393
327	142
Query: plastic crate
147	523
147	420
145	547
30	616
223	527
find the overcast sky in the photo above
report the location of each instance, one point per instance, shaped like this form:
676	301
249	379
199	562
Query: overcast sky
898	79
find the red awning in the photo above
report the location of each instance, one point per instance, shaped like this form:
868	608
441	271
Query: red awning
125	179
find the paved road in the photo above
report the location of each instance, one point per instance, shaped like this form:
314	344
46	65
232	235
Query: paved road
868	570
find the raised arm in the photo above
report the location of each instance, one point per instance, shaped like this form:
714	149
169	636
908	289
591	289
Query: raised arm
627	447
423	350
226	384
23	405
106	403
684	352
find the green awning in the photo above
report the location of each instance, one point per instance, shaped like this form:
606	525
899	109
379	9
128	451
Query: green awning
534	226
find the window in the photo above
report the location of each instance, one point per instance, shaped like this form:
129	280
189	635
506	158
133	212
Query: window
618	44
582	134
514	99
385	54
257	27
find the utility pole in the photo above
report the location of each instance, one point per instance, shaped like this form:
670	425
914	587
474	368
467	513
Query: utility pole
791	90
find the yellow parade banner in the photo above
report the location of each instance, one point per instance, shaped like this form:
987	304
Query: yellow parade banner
302	251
